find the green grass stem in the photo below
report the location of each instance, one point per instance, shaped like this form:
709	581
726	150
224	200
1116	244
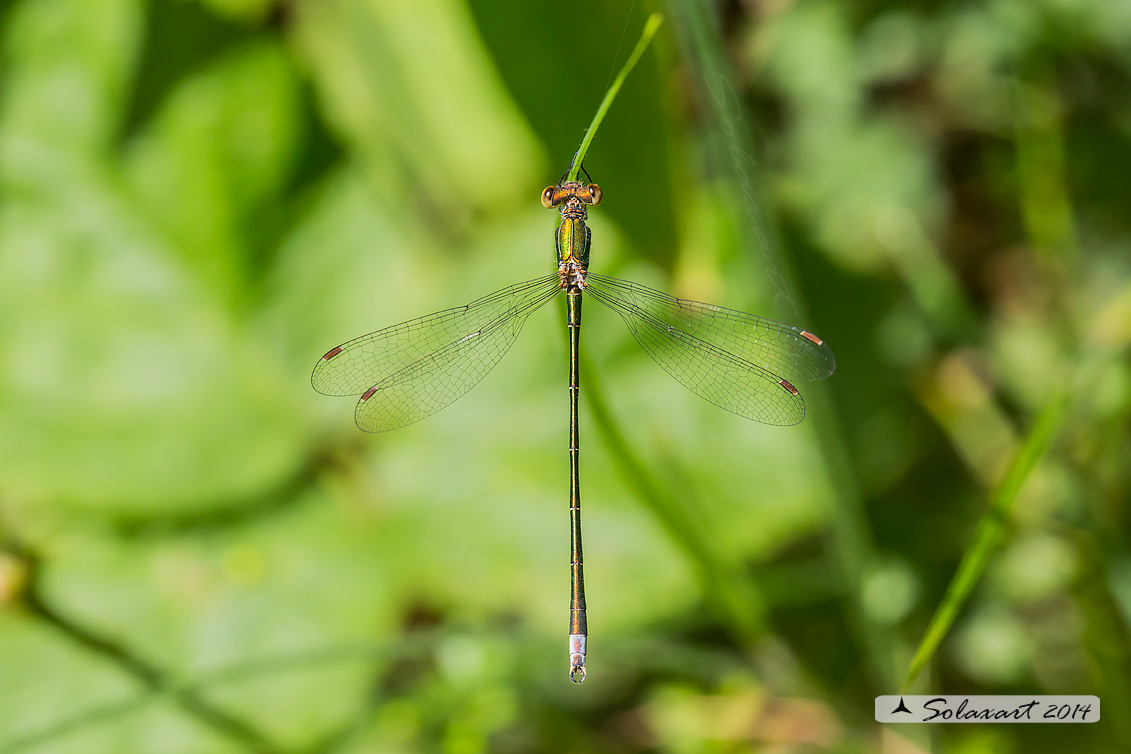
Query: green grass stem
989	531
650	28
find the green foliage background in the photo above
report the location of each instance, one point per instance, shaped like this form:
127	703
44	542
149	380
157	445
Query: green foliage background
200	197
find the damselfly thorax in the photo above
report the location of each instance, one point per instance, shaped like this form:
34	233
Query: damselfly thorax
572	198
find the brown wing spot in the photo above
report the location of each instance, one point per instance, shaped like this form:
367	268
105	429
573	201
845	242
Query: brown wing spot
369	393
810	336
787	386
332	353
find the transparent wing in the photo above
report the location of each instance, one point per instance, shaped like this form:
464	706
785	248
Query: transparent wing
672	331
411	370
787	351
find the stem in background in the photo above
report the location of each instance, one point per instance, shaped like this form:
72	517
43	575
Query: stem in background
148	674
728	137
989	532
738	606
418	644
650	28
1046	210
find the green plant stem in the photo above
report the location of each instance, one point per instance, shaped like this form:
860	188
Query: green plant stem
650	28
414	645
989	531
728	136
153	678
738	606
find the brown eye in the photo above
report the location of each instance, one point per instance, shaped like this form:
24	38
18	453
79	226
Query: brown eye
594	193
548	197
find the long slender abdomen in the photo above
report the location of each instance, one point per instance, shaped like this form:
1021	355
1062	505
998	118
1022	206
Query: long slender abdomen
578	630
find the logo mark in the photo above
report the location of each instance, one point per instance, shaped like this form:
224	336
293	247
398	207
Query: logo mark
901	707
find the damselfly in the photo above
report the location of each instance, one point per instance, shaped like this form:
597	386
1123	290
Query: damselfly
740	362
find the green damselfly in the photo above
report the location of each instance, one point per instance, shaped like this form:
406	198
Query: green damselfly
740	362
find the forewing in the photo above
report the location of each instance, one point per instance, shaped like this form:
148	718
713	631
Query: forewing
724	379
789	352
431	383
354	367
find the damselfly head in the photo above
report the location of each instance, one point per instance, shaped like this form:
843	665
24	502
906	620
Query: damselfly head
552	196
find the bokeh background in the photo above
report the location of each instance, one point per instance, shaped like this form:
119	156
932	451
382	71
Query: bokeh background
200	197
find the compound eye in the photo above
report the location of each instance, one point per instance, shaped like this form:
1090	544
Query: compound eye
594	193
548	196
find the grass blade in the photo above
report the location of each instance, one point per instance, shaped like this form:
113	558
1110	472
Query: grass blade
989	531
650	27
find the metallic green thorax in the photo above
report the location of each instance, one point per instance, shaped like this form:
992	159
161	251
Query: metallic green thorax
573	240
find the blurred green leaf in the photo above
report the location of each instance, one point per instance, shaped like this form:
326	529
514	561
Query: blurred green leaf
412	85
214	155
